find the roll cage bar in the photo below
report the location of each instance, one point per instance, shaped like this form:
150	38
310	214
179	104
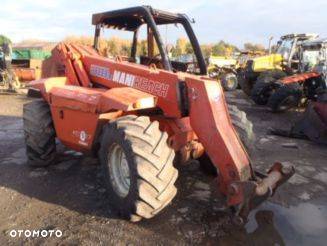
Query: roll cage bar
131	19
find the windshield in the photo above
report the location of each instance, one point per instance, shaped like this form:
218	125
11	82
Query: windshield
312	57
285	48
175	42
178	46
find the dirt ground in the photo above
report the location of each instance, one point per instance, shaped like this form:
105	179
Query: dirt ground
70	197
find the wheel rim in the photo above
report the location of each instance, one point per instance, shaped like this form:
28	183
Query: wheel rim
119	170
231	81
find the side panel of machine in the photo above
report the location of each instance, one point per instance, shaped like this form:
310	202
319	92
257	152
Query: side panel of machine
162	84
75	129
269	62
76	110
210	120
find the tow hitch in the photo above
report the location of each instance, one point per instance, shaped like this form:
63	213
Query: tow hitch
257	191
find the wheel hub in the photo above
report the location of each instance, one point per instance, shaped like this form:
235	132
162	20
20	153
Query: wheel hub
119	170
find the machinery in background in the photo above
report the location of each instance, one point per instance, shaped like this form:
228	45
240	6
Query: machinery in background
8	80
18	66
225	69
27	63
296	90
312	86
269	68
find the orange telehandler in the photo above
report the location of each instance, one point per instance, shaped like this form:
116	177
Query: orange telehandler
137	116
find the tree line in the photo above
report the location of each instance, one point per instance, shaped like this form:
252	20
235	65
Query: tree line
118	46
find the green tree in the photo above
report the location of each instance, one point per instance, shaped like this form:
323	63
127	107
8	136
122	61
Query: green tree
206	49
112	47
253	47
142	48
223	48
4	39
180	47
218	49
188	48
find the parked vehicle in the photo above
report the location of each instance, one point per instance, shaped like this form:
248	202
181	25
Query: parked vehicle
269	68
136	117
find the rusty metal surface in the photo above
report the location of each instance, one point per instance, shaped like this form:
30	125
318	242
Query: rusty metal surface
299	77
257	191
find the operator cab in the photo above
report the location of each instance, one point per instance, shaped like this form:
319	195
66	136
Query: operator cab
314	53
314	58
155	51
289	47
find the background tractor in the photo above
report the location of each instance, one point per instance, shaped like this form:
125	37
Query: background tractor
136	118
223	69
269	68
8	80
306	85
311	85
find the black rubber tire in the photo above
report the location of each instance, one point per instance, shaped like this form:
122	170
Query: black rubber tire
150	161
244	82
291	92
261	92
265	86
40	135
207	166
244	129
229	82
242	125
271	76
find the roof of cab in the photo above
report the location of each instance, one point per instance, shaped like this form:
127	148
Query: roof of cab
316	42
131	18
302	36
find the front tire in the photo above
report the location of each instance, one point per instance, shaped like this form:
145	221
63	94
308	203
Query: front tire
147	184
265	86
286	97
261	92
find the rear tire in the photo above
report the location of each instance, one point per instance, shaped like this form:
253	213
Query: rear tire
286	97
149	161
244	129
39	133
242	125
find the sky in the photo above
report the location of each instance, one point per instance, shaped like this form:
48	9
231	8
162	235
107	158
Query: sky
234	21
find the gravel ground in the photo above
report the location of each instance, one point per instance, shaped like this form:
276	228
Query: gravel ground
70	197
